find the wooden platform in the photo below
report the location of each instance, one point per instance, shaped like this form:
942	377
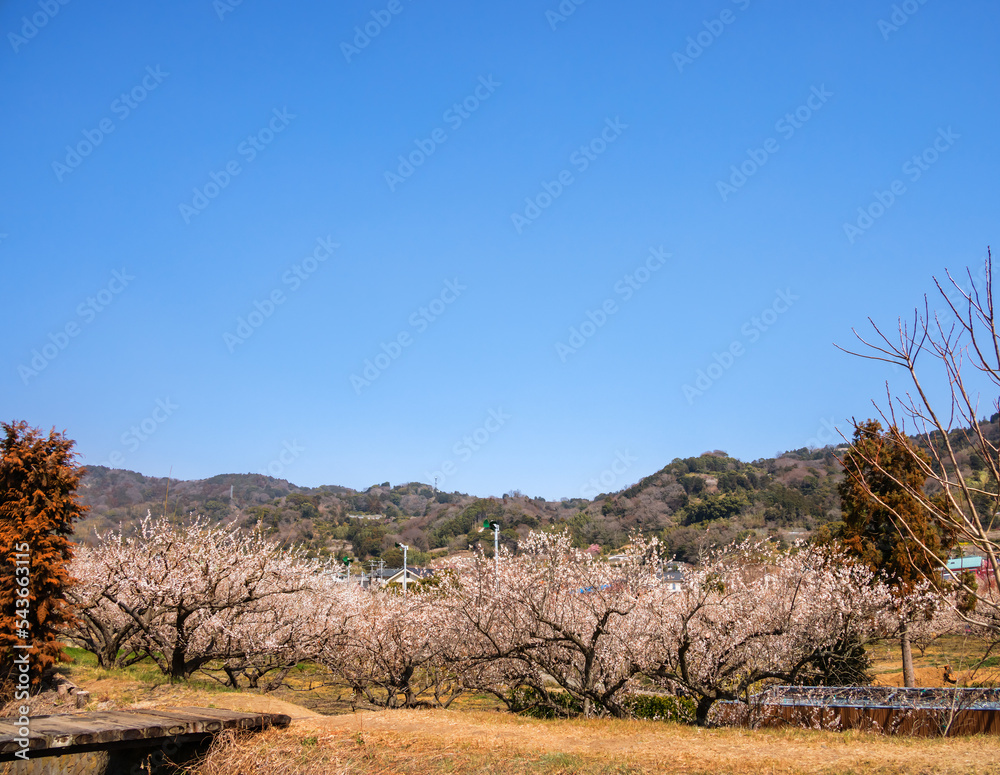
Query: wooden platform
120	737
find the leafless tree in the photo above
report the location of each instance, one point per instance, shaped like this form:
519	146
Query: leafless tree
958	349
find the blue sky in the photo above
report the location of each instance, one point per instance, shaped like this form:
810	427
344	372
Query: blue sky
500	244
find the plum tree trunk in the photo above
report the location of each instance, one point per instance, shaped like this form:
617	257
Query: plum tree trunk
701	712
909	679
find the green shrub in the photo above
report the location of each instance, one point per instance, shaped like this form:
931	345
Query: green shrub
528	701
661	708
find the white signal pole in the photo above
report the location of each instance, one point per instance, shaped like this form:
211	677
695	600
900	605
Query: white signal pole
496	549
405	548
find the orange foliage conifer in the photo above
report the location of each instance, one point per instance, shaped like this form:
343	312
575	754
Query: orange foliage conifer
38	506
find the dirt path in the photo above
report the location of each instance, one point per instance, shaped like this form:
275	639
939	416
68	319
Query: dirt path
247	703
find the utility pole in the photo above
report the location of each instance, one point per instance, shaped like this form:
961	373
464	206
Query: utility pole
405	549
496	548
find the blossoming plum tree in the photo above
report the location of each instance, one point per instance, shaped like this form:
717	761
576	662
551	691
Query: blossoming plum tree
194	594
749	615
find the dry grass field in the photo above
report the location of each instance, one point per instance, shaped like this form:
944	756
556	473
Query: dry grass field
476	737
412	741
963	653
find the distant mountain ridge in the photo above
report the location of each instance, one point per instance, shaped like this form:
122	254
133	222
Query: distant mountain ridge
691	504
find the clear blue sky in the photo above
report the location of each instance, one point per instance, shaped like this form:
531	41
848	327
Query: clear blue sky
446	196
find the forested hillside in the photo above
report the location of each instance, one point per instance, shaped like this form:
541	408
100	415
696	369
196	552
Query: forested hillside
691	504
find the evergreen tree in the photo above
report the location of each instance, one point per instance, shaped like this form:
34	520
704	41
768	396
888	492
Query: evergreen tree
884	525
38	505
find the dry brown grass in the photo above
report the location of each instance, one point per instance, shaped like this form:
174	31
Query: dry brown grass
471	739
412	742
962	652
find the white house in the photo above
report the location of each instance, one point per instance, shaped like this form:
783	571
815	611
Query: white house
413	575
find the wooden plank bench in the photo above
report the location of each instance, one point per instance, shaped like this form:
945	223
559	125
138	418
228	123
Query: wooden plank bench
121	741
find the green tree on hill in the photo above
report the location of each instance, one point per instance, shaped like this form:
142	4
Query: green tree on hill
714	507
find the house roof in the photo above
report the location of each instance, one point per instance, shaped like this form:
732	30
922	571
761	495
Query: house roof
419	573
965	563
672	575
383	573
